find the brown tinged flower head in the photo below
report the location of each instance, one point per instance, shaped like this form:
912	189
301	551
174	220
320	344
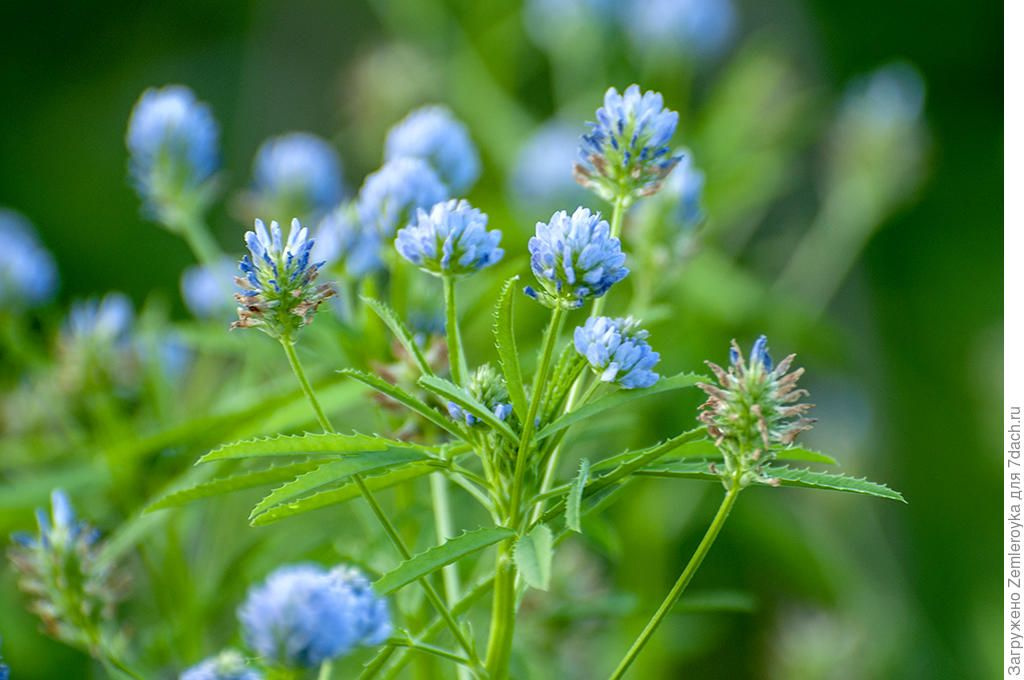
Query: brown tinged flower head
754	411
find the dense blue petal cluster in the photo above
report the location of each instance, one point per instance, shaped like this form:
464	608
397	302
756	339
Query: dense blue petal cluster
435	135
617	350
228	665
28	275
172	139
450	239
390	196
278	286
303	615
626	153
207	289
574	258
341	239
297	174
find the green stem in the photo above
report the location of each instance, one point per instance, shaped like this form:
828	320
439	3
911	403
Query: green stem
429	649
456	355
198	237
378	511
684	580
326	669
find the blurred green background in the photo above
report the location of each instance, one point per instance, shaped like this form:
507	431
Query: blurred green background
904	359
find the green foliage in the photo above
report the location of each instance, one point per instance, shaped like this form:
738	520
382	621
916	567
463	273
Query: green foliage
433	559
301	445
505	344
234	481
575	496
401	396
401	333
449	391
533	555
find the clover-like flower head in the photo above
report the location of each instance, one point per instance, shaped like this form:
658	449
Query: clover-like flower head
754	411
451	239
28	275
228	665
487	385
617	351
574	258
278	286
390	196
297	174
435	135
626	154
172	139
303	615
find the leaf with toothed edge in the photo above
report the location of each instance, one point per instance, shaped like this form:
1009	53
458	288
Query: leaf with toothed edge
575	497
431	560
401	396
452	392
505	341
400	331
236	481
303	444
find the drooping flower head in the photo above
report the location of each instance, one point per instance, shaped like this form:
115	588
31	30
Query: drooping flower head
172	139
390	196
297	174
435	135
207	290
279	293
228	665
28	275
574	258
617	351
342	240
754	412
626	154
303	615
487	385
451	239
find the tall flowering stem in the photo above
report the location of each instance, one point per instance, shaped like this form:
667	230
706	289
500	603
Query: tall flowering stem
456	355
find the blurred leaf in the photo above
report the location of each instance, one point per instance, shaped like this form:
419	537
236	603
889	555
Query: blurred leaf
401	333
433	559
303	444
34	487
572	501
533	556
805	455
505	341
401	396
244	479
450	391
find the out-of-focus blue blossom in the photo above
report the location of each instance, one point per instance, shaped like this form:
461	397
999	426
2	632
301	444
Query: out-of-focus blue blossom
228	665
435	135
278	282
107	321
5	671
542	178
685	186
172	139
390	196
697	27
303	615
486	385
575	258
342	239
617	350
28	275
297	174
626	154
451	239
207	290
559	25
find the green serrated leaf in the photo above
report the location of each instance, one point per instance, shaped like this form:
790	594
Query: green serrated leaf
401	396
505	341
301	444
244	479
805	455
429	561
618	398
533	556
401	333
360	462
575	497
452	392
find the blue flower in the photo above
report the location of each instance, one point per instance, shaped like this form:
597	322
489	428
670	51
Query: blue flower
542	178
28	275
451	239
390	196
228	665
103	322
303	615
626	153
575	258
685	185
435	135
278	286
207	290
5	672
341	238
172	140
487	385
698	27
617	350
297	174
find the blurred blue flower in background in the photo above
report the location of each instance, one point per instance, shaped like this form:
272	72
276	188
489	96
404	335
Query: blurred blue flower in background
626	153
435	135
228	665
297	174
207	290
685	186
28	275
172	139
390	196
575	258
550	22
105	321
303	615
700	28
5	671
342	240
542	178
451	238
617	351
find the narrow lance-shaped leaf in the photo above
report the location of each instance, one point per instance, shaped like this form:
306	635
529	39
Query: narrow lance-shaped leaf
429	561
452	392
401	396
303	444
236	481
505	341
575	497
401	333
533	555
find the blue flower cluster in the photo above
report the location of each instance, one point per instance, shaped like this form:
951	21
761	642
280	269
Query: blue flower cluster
626	153
617	351
102	322
574	258
303	615
278	283
28	275
390	196
297	174
487	385
228	665
685	185
450	240
435	135
172	139
207	289
341	239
